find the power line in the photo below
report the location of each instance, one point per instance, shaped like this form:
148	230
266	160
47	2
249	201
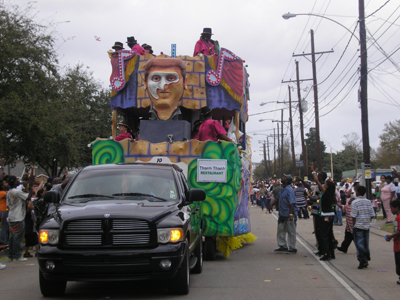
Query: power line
377	9
384	60
341	100
341	56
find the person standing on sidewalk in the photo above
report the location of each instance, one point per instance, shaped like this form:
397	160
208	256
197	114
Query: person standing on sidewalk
348	235
16	203
326	239
3	206
395	207
3	213
262	196
301	195
287	217
388	194
275	192
314	201
362	212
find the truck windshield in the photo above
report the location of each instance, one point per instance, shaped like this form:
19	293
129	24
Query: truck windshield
128	184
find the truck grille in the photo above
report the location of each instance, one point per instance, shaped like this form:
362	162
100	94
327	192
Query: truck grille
107	232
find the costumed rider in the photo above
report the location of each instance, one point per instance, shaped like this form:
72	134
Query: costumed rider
132	43
148	49
211	129
126	132
205	45
117	46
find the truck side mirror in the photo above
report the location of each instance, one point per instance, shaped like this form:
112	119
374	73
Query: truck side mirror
51	197
196	195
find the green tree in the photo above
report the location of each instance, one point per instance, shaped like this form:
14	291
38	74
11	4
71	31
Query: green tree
28	76
259	172
389	150
79	114
311	143
45	118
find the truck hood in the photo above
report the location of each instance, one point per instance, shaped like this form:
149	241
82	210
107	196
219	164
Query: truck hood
115	209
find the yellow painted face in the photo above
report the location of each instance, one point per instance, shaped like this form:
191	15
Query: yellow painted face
165	87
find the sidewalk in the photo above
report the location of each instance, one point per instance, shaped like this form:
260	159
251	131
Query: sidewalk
378	281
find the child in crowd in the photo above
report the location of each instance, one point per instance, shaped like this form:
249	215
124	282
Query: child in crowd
348	235
395	208
375	204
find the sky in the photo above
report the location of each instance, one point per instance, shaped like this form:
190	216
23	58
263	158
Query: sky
255	31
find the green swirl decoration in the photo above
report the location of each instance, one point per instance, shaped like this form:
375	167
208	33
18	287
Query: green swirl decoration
222	198
107	152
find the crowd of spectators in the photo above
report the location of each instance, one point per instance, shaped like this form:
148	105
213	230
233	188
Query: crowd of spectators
327	204
22	210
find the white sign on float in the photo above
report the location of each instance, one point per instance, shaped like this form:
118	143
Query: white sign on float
212	170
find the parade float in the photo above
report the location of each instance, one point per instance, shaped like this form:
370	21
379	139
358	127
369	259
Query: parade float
222	169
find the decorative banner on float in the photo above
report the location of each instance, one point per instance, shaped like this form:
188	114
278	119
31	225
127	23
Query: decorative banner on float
173	50
212	170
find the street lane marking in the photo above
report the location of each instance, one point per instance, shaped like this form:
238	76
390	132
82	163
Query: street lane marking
333	273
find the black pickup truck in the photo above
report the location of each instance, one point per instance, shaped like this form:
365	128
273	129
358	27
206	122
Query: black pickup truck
122	222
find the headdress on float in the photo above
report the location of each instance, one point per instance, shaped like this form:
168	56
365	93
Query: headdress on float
205	110
131	40
207	31
125	123
197	122
118	45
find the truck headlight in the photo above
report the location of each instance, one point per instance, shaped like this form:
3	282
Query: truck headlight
170	235
49	236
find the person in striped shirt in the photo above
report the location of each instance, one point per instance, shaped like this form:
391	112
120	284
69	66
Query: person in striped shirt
348	235
301	195
362	212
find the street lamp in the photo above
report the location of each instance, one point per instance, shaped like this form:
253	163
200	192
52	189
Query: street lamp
262	120
289	15
263	103
363	82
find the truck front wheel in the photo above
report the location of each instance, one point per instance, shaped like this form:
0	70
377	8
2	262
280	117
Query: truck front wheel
51	288
179	285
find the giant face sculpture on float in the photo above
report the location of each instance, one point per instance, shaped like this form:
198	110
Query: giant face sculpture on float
165	81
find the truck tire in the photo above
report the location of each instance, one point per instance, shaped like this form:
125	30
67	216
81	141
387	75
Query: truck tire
210	248
51	288
198	268
180	283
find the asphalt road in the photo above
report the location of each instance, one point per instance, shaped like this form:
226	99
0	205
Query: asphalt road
252	272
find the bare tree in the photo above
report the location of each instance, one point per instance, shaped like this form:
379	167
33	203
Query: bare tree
353	141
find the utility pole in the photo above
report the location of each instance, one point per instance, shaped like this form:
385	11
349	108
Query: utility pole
314	70
305	169
315	86
265	162
282	143
275	159
274	154
364	94
331	165
291	132
268	155
279	150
